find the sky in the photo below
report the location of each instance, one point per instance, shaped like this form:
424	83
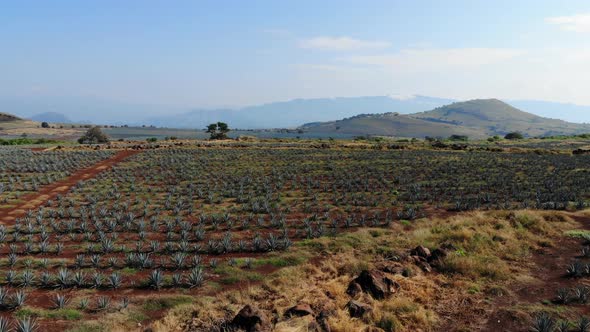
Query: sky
236	53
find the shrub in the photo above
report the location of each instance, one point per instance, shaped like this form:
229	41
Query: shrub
94	135
514	136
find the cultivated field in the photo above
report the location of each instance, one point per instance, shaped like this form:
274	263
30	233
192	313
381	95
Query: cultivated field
183	236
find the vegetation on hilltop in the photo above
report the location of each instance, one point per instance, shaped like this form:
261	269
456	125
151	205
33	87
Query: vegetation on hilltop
94	135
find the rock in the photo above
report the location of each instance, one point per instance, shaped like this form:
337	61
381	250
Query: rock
375	283
425	267
300	310
421	251
354	289
393	268
251	319
437	254
358	309
416	259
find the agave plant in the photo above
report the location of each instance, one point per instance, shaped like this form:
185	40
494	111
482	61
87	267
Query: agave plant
18	299
124	303
79	279
582	294
4	324
575	269
63	278
26	324
45	279
27	279
83	304
3	297
543	322
96	280
176	280
563	326
156	279
103	303
115	280
583	324
195	277
10	277
60	301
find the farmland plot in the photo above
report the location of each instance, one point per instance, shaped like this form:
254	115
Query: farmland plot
188	220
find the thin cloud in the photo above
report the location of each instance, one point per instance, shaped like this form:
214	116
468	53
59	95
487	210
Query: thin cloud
576	23
423	60
341	44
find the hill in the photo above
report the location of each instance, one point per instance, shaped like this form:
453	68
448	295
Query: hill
475	118
52	117
496	117
5	117
390	124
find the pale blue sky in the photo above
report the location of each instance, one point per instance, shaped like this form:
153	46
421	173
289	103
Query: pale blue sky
212	53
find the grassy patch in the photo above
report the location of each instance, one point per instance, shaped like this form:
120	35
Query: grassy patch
166	302
66	314
578	233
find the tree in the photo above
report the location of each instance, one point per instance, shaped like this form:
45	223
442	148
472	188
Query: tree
94	135
218	130
44	124
514	135
462	138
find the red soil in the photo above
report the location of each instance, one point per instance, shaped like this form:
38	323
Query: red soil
34	200
549	268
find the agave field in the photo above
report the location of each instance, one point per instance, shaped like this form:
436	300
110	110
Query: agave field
23	171
179	219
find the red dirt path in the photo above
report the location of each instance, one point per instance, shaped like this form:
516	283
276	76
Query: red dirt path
50	191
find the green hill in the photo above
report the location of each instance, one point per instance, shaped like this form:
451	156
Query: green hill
475	118
390	124
496	117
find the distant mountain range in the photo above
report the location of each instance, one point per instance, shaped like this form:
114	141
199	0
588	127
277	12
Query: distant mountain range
52	117
288	114
475	118
296	112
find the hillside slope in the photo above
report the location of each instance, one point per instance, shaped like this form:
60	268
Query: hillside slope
496	117
475	118
5	117
390	124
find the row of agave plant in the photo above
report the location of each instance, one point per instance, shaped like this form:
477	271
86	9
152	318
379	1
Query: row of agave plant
544	322
22	170
64	279
59	301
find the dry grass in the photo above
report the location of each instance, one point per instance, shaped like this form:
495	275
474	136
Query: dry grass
492	250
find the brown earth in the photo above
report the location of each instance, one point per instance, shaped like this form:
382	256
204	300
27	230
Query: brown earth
549	266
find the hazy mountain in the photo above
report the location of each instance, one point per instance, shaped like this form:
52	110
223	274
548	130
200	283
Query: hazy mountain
299	111
475	118
84	109
52	117
272	115
563	111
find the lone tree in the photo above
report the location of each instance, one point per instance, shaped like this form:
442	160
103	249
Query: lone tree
514	135
93	136
218	130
